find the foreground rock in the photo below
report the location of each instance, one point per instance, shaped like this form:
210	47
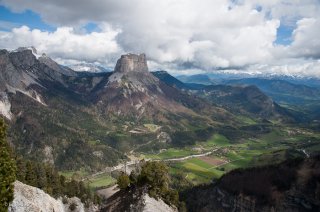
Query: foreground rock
136	200
30	199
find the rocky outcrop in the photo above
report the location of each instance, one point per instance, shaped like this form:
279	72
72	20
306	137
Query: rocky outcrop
31	199
131	62
136	200
5	106
28	198
152	205
24	71
132	91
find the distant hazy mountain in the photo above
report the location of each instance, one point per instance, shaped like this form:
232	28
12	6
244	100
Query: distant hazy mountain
245	100
88	67
170	80
197	79
278	86
283	91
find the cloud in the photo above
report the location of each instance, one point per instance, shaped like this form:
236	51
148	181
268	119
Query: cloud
290	67
64	42
306	39
204	34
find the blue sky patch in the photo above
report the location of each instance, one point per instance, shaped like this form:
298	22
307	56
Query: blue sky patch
284	34
9	20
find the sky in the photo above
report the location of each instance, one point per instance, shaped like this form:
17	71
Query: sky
278	37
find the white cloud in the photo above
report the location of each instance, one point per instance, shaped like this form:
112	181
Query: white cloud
290	67
306	38
204	34
64	42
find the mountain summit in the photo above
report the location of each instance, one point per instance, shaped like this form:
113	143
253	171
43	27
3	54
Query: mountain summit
133	92
132	62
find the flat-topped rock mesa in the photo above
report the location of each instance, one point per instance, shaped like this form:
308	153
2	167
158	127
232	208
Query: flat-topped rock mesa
131	63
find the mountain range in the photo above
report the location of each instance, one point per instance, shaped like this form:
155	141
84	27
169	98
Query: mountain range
79	119
76	119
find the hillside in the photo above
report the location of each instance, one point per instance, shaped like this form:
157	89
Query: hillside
282	90
290	186
245	100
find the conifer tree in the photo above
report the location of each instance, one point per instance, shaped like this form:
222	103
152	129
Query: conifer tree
21	166
31	178
7	170
41	176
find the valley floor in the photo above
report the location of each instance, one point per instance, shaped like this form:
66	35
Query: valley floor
210	160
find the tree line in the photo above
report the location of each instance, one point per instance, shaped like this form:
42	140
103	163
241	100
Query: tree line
40	175
47	178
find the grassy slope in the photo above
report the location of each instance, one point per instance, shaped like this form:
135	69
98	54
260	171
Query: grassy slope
273	147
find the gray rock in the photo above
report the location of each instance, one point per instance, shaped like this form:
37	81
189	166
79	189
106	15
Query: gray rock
132	62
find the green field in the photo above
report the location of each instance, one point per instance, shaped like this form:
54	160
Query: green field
78	175
216	140
103	180
273	147
246	120
196	170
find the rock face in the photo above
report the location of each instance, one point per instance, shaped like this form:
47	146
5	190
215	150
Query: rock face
131	62
24	71
153	205
137	200
31	199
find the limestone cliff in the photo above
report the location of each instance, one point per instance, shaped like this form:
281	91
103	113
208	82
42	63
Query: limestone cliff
132	62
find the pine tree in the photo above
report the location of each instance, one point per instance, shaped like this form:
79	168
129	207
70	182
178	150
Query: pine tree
21	166
31	178
7	170
41	176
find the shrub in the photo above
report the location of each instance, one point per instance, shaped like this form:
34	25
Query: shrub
123	181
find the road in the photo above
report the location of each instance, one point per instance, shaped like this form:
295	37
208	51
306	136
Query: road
121	167
188	157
